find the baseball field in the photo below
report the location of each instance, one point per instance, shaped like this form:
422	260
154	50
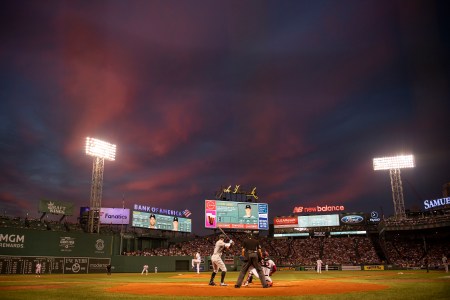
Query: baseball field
346	285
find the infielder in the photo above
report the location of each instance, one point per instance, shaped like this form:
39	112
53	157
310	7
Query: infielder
319	265
196	262
145	269
217	262
268	266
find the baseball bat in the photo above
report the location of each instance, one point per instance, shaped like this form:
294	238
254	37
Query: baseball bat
224	233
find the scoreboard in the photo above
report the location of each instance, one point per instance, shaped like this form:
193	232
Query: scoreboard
236	215
52	265
162	222
318	220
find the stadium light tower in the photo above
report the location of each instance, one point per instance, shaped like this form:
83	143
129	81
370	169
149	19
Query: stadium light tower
100	150
394	164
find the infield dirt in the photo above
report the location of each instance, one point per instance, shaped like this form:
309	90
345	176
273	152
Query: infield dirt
280	288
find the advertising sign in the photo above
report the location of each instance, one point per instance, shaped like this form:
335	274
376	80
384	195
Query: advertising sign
436	203
318	209
16	241
55	207
352	219
162	211
374	217
374	268
119	216
76	265
280	222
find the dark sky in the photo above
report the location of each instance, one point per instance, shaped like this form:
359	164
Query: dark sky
292	97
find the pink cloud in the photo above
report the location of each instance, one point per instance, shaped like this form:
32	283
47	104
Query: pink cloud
14	205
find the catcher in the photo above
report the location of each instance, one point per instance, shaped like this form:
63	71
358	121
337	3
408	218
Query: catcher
268	267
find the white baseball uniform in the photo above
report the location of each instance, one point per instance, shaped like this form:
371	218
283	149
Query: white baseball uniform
38	269
216	258
145	269
196	262
319	266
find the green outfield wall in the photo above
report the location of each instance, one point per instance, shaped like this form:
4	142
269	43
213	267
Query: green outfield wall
30	242
130	264
78	252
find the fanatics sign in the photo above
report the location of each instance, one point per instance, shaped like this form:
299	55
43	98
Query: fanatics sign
116	216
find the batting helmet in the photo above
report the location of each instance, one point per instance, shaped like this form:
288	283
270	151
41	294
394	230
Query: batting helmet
221	237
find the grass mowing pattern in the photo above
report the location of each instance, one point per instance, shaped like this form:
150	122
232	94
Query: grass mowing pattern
401	285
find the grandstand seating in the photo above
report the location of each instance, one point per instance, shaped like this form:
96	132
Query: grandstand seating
406	248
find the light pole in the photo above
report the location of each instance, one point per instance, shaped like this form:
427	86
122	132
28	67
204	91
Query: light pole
121	226
100	151
394	164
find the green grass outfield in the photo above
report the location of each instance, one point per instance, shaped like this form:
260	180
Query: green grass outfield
401	285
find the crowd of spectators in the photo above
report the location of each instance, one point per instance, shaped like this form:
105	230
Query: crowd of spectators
285	252
410	252
332	250
443	216
39	224
348	250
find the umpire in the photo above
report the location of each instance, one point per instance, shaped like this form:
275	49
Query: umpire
251	250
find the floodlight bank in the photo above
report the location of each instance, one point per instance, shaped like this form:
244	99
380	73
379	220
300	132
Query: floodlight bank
393	162
98	148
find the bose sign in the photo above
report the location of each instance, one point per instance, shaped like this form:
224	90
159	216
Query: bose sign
116	216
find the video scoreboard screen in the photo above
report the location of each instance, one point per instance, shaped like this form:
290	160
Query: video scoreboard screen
162	222
318	220
236	215
307	221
